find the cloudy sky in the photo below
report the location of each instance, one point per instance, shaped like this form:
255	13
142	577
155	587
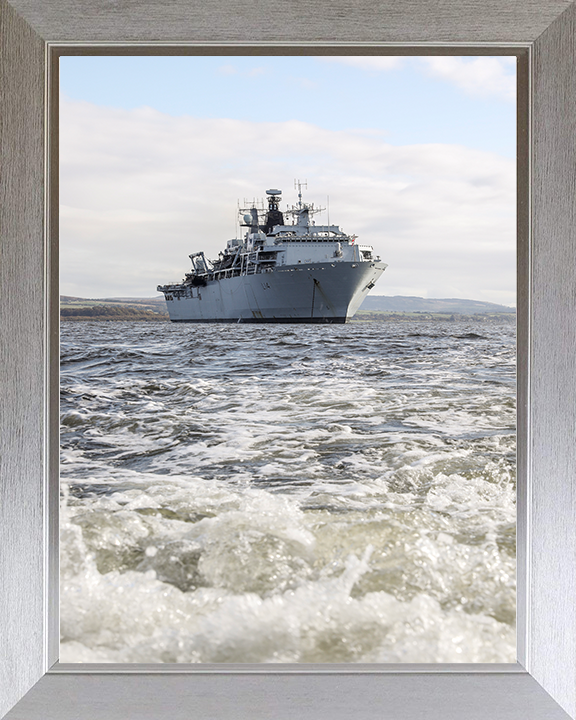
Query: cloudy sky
417	157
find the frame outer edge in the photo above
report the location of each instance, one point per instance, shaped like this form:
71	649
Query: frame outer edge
552	654
22	357
23	335
408	22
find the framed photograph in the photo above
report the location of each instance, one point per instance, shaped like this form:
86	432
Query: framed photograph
541	683
253	482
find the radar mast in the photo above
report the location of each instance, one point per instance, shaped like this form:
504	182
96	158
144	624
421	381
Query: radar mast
298	186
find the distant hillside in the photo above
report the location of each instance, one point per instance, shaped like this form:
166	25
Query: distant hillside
375	307
399	303
76	308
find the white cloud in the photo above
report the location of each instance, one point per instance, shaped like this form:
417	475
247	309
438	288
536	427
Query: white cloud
141	190
373	63
230	69
227	70
476	76
483	76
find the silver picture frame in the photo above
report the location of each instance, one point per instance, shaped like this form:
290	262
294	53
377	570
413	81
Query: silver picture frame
542	684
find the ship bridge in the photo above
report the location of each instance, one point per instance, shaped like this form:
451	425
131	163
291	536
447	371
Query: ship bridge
320	233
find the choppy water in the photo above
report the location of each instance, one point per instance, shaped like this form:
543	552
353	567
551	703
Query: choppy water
246	493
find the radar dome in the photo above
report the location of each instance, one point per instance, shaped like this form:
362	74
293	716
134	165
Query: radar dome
273	192
248	219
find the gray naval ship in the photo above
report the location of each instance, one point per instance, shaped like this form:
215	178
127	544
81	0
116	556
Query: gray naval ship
278	272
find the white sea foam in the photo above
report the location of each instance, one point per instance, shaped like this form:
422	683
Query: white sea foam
313	495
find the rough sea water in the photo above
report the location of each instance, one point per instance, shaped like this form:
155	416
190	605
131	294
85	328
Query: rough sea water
288	493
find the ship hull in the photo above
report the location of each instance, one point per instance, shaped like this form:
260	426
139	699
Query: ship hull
308	321
320	293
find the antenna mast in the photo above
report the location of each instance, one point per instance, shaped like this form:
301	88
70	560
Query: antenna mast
298	186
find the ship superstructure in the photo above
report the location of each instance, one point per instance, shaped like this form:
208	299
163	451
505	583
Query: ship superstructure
278	272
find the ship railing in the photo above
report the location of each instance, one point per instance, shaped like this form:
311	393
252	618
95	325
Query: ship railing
311	239
228	273
252	269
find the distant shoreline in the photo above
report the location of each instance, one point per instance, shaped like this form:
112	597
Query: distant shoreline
389	316
377	308
376	316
